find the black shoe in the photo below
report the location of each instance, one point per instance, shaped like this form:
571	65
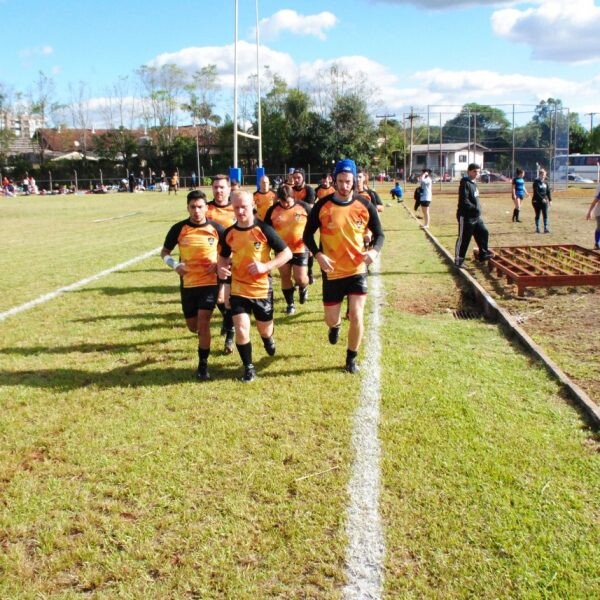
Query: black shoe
202	374
484	255
596	246
351	367
311	279
302	294
228	348
269	346
334	334
458	262
290	309
249	373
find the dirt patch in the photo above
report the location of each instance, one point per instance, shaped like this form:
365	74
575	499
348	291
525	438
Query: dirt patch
564	321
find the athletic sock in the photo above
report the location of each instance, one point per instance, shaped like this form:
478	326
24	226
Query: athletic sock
289	295
245	351
203	354
228	320
221	307
351	355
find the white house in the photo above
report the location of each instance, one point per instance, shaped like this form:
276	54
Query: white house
451	159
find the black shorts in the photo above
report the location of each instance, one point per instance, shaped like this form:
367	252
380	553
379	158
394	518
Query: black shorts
261	308
299	259
334	290
425	202
198	298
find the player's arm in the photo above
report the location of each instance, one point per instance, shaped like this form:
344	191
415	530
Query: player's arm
224	258
377	234
169	245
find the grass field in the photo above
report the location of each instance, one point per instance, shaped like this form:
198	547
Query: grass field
122	477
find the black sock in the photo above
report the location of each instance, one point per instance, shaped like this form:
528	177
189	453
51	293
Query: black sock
351	355
203	354
228	320
221	307
245	351
289	295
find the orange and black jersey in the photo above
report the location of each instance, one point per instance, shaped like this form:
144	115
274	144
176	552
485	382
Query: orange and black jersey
305	194
263	201
289	223
342	226
245	246
322	191
371	196
221	214
197	249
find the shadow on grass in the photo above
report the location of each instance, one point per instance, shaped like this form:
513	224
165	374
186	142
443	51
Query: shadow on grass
130	317
121	291
81	348
138	374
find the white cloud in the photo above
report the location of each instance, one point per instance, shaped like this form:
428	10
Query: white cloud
36	51
445	4
193	59
555	30
422	88
289	21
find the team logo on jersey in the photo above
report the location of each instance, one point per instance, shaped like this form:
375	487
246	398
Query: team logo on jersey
211	241
257	245
359	223
298	217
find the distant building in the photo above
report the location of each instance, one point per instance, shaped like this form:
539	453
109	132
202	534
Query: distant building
24	127
451	159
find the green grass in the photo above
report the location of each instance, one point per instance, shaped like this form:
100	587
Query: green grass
121	477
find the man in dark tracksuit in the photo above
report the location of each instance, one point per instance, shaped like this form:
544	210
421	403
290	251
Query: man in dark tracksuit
468	214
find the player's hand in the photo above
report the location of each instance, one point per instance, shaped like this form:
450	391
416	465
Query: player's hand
223	272
326	263
182	269
257	268
370	257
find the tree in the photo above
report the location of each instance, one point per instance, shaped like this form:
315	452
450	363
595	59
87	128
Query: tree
161	86
353	130
488	125
43	105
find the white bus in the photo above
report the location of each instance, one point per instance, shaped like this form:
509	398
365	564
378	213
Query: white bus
577	167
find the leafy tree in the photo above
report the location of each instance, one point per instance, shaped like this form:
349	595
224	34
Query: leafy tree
162	87
485	123
117	145
353	130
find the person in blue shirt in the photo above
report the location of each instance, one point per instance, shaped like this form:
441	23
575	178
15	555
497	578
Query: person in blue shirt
518	193
396	192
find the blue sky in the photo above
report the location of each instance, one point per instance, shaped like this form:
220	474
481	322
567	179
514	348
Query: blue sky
415	53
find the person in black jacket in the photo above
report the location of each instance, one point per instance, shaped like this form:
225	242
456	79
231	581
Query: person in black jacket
468	214
542	199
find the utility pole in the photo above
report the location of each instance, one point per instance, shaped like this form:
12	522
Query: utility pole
591	116
411	117
385	118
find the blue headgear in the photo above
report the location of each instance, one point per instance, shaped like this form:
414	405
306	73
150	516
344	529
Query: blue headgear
346	165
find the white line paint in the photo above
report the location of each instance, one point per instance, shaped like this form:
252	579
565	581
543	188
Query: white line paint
77	284
365	552
118	217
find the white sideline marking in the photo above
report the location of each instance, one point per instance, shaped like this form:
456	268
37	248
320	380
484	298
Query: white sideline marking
115	218
77	284
365	552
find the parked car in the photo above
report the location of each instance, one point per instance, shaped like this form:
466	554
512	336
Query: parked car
578	178
490	177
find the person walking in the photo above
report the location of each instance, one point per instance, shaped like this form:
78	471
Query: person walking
468	215
541	200
264	197
245	256
197	239
288	217
518	194
342	219
221	210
